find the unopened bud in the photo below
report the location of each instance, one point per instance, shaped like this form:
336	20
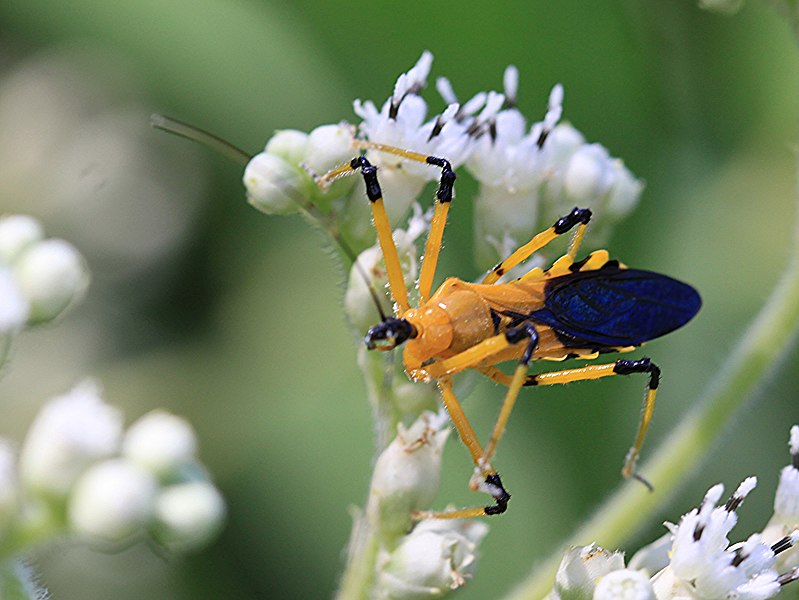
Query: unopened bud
407	474
17	232
112	500
433	559
70	433
160	442
289	144
271	183
188	515
581	568
51	275
329	146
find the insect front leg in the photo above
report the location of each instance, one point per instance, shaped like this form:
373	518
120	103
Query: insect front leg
444	195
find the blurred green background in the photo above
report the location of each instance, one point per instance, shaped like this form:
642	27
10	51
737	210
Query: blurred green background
205	307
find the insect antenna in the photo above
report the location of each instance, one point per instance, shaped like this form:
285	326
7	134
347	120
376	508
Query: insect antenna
216	143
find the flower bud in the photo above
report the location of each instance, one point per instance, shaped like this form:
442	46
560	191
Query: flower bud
433	559
288	144
624	584
188	515
69	433
587	175
407	474
270	182
112	500
9	486
160	442
17	232
359	304
14	308
329	146
581	568
51	275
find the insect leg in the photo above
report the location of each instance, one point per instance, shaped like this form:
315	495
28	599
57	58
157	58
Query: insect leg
489	481
396	280
620	367
518	379
578	217
485	478
444	195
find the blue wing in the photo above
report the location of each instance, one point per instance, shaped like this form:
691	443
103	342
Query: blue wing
616	307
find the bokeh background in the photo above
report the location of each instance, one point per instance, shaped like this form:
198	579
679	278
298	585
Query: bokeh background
205	307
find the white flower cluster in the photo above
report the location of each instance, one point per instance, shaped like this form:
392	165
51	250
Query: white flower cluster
528	175
79	471
696	560
39	278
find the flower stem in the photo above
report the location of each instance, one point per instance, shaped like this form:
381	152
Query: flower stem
760	349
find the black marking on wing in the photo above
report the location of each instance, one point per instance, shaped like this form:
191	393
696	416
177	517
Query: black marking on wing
615	307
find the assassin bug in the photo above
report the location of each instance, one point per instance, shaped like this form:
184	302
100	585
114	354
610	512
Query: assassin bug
574	309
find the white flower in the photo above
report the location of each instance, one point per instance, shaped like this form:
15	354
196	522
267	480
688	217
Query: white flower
704	565
188	515
786	505
407	474
112	500
403	122
581	568
51	275
17	232
69	433
160	442
436	557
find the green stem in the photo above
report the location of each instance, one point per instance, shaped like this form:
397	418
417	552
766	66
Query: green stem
17	582
761	348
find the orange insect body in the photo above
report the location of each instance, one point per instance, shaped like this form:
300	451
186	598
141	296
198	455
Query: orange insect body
574	309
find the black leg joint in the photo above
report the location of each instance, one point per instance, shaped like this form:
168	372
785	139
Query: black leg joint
520	333
644	365
369	172
446	185
578	215
501	496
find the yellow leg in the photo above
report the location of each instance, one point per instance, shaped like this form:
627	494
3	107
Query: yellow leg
396	280
485	478
444	196
578	217
620	367
458	417
469	358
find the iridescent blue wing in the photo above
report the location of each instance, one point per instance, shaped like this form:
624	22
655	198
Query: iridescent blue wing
615	307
